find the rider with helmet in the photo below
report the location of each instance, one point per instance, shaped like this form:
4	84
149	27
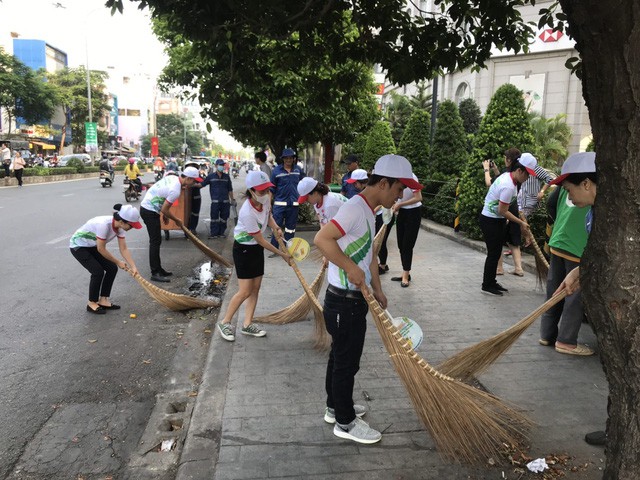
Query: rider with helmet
133	172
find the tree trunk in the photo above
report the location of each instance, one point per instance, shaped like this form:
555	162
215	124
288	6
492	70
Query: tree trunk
62	137
329	155
607	33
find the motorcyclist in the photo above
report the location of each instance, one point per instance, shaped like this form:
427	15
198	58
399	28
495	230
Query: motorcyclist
133	172
105	164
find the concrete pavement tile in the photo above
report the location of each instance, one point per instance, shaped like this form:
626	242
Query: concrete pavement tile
241	471
263	453
326	449
363	462
229	454
301	466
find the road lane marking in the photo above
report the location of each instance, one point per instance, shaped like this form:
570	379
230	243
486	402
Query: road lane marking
56	240
68	195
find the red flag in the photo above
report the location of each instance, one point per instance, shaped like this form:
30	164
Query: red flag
154	146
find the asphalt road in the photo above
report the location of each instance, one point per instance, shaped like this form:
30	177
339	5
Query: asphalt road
61	365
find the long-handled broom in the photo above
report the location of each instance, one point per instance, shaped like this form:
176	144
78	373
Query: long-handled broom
206	250
542	266
298	310
173	301
320	338
377	240
467	424
475	359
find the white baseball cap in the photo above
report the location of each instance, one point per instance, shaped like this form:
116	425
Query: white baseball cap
583	162
395	166
529	162
258	179
192	172
358	174
305	187
131	215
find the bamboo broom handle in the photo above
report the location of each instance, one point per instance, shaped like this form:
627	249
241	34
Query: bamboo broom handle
303	282
535	246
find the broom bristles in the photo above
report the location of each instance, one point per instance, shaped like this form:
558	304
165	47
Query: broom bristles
467	424
205	249
477	358
377	240
173	301
298	310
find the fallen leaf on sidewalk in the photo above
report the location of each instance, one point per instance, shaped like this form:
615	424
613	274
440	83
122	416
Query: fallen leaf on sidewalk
207	330
146	362
93	341
192	394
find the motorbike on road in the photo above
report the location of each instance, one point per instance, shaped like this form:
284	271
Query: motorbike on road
159	174
132	191
106	178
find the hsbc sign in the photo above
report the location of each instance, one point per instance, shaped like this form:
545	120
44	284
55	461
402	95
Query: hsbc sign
549	35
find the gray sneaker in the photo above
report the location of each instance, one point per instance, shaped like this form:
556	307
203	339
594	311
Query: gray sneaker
330	413
358	431
253	331
226	332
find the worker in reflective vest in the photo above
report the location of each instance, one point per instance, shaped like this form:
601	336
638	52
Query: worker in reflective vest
285	177
221	191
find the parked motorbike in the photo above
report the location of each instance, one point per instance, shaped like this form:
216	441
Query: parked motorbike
106	178
131	190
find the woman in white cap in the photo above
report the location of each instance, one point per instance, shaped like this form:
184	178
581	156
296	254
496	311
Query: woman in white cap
89	246
248	253
495	214
409	215
325	203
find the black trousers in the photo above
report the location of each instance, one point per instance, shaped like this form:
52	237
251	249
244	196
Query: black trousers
407	228
493	231
152	221
345	319
384	253
103	271
18	174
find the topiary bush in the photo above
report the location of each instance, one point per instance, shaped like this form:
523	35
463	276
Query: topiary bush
414	145
504	125
76	163
441	206
379	143
449	153
471	115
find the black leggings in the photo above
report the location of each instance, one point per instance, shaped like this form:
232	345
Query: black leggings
407	228
493	231
103	271
18	174
384	253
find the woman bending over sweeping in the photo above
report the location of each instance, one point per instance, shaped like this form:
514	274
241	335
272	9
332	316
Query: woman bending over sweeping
248	253
89	246
325	203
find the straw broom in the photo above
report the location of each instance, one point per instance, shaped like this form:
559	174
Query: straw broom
377	240
321	340
173	301
477	358
542	266
206	250
466	424
298	310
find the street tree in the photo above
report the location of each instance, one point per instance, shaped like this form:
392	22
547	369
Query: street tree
471	115
414	145
552	137
379	142
24	93
171	136
70	87
463	34
449	151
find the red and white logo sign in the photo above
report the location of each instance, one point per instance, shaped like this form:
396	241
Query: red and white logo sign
549	35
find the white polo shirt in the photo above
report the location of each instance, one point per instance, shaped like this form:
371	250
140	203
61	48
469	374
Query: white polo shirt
250	222
97	228
331	203
356	221
167	188
502	190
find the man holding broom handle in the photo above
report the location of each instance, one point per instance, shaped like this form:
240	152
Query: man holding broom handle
347	242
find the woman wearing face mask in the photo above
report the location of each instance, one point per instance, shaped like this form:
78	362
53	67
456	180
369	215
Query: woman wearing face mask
495	215
325	203
248	253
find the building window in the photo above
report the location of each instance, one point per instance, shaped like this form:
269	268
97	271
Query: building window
133	113
462	92
122	112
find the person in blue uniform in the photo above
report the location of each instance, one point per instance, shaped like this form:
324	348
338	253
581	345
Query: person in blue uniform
221	191
349	189
285	177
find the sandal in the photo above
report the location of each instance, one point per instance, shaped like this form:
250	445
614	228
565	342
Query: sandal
518	273
98	311
113	306
404	285
582	350
399	279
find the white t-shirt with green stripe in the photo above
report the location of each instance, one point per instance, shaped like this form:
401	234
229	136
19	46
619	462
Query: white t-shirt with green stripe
96	228
502	190
167	188
357	223
331	203
251	221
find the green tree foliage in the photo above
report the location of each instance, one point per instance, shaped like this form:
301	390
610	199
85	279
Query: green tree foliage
70	86
171	136
449	152
356	147
414	145
23	92
471	115
379	142
440	207
552	137
397	113
504	125
422	98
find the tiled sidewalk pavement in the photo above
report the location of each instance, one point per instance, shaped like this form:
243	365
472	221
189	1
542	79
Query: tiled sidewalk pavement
273	411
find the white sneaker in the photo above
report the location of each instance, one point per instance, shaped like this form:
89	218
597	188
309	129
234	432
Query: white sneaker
358	431
253	331
330	413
